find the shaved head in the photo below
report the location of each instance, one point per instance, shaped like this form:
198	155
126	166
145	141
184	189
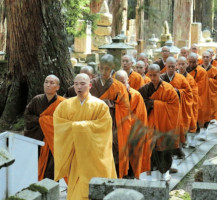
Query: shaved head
165	48
86	69
122	76
171	59
193	55
192	60
182	64
57	80
182	58
154	67
82	76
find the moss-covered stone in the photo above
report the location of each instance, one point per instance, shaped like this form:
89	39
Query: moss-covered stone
14	198
179	195
38	188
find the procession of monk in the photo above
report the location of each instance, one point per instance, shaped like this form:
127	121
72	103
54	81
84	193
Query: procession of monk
119	124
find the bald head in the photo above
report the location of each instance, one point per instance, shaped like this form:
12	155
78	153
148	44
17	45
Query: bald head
154	74
55	78
194	48
106	66
154	67
127	63
51	86
211	51
140	67
87	70
82	86
206	56
193	55
171	66
165	52
182	64
192	60
184	52
171	60
122	76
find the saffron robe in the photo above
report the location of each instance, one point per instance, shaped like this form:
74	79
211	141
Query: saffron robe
146	79
140	159
161	64
200	76
82	144
135	80
163	108
186	100
116	96
212	76
39	126
194	115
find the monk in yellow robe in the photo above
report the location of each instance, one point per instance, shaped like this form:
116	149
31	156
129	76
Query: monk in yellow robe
39	124
204	103
182	66
140	158
212	77
82	140
116	97
162	104
165	52
184	91
135	79
141	69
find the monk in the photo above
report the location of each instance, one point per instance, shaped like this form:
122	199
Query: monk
141	69
162	104
213	62
82	140
141	156
194	49
200	76
184	91
116	97
39	124
135	79
212	77
184	52
144	57
165	52
85	69
182	66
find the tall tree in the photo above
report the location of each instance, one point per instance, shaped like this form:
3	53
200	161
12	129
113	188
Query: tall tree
36	47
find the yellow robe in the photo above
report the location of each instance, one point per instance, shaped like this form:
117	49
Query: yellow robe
82	144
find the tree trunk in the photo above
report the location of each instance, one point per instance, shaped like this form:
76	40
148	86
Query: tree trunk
36	47
118	9
204	13
2	27
140	20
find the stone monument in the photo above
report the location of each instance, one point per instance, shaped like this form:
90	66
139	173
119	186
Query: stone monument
103	30
165	36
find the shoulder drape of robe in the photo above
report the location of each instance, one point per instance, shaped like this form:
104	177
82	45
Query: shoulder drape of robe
165	115
82	144
194	115
46	124
141	157
204	103
135	80
118	93
186	99
212	76
146	80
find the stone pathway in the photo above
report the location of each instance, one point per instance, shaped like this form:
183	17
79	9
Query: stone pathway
192	158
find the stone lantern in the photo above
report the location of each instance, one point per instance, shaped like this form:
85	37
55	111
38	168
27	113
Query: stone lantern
117	48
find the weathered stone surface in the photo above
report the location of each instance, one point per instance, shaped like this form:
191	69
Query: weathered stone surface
100	187
104	8
202	191
195	33
29	195
124	194
103	30
5	158
101	40
210	170
52	187
105	20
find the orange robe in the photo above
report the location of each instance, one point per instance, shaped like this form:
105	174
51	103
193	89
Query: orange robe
212	75
117	93
135	80
141	157
186	100
201	78
164	117
146	79
194	115
46	124
214	63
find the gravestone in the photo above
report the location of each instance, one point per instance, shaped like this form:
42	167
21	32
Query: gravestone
196	33
124	194
152	190
210	170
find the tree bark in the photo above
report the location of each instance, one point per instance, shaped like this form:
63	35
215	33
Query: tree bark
2	27
36	47
204	13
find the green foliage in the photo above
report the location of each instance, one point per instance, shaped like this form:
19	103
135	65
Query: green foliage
38	188
215	6
19	125
75	10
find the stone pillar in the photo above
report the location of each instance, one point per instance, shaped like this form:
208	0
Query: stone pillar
196	33
103	30
183	17
124	5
